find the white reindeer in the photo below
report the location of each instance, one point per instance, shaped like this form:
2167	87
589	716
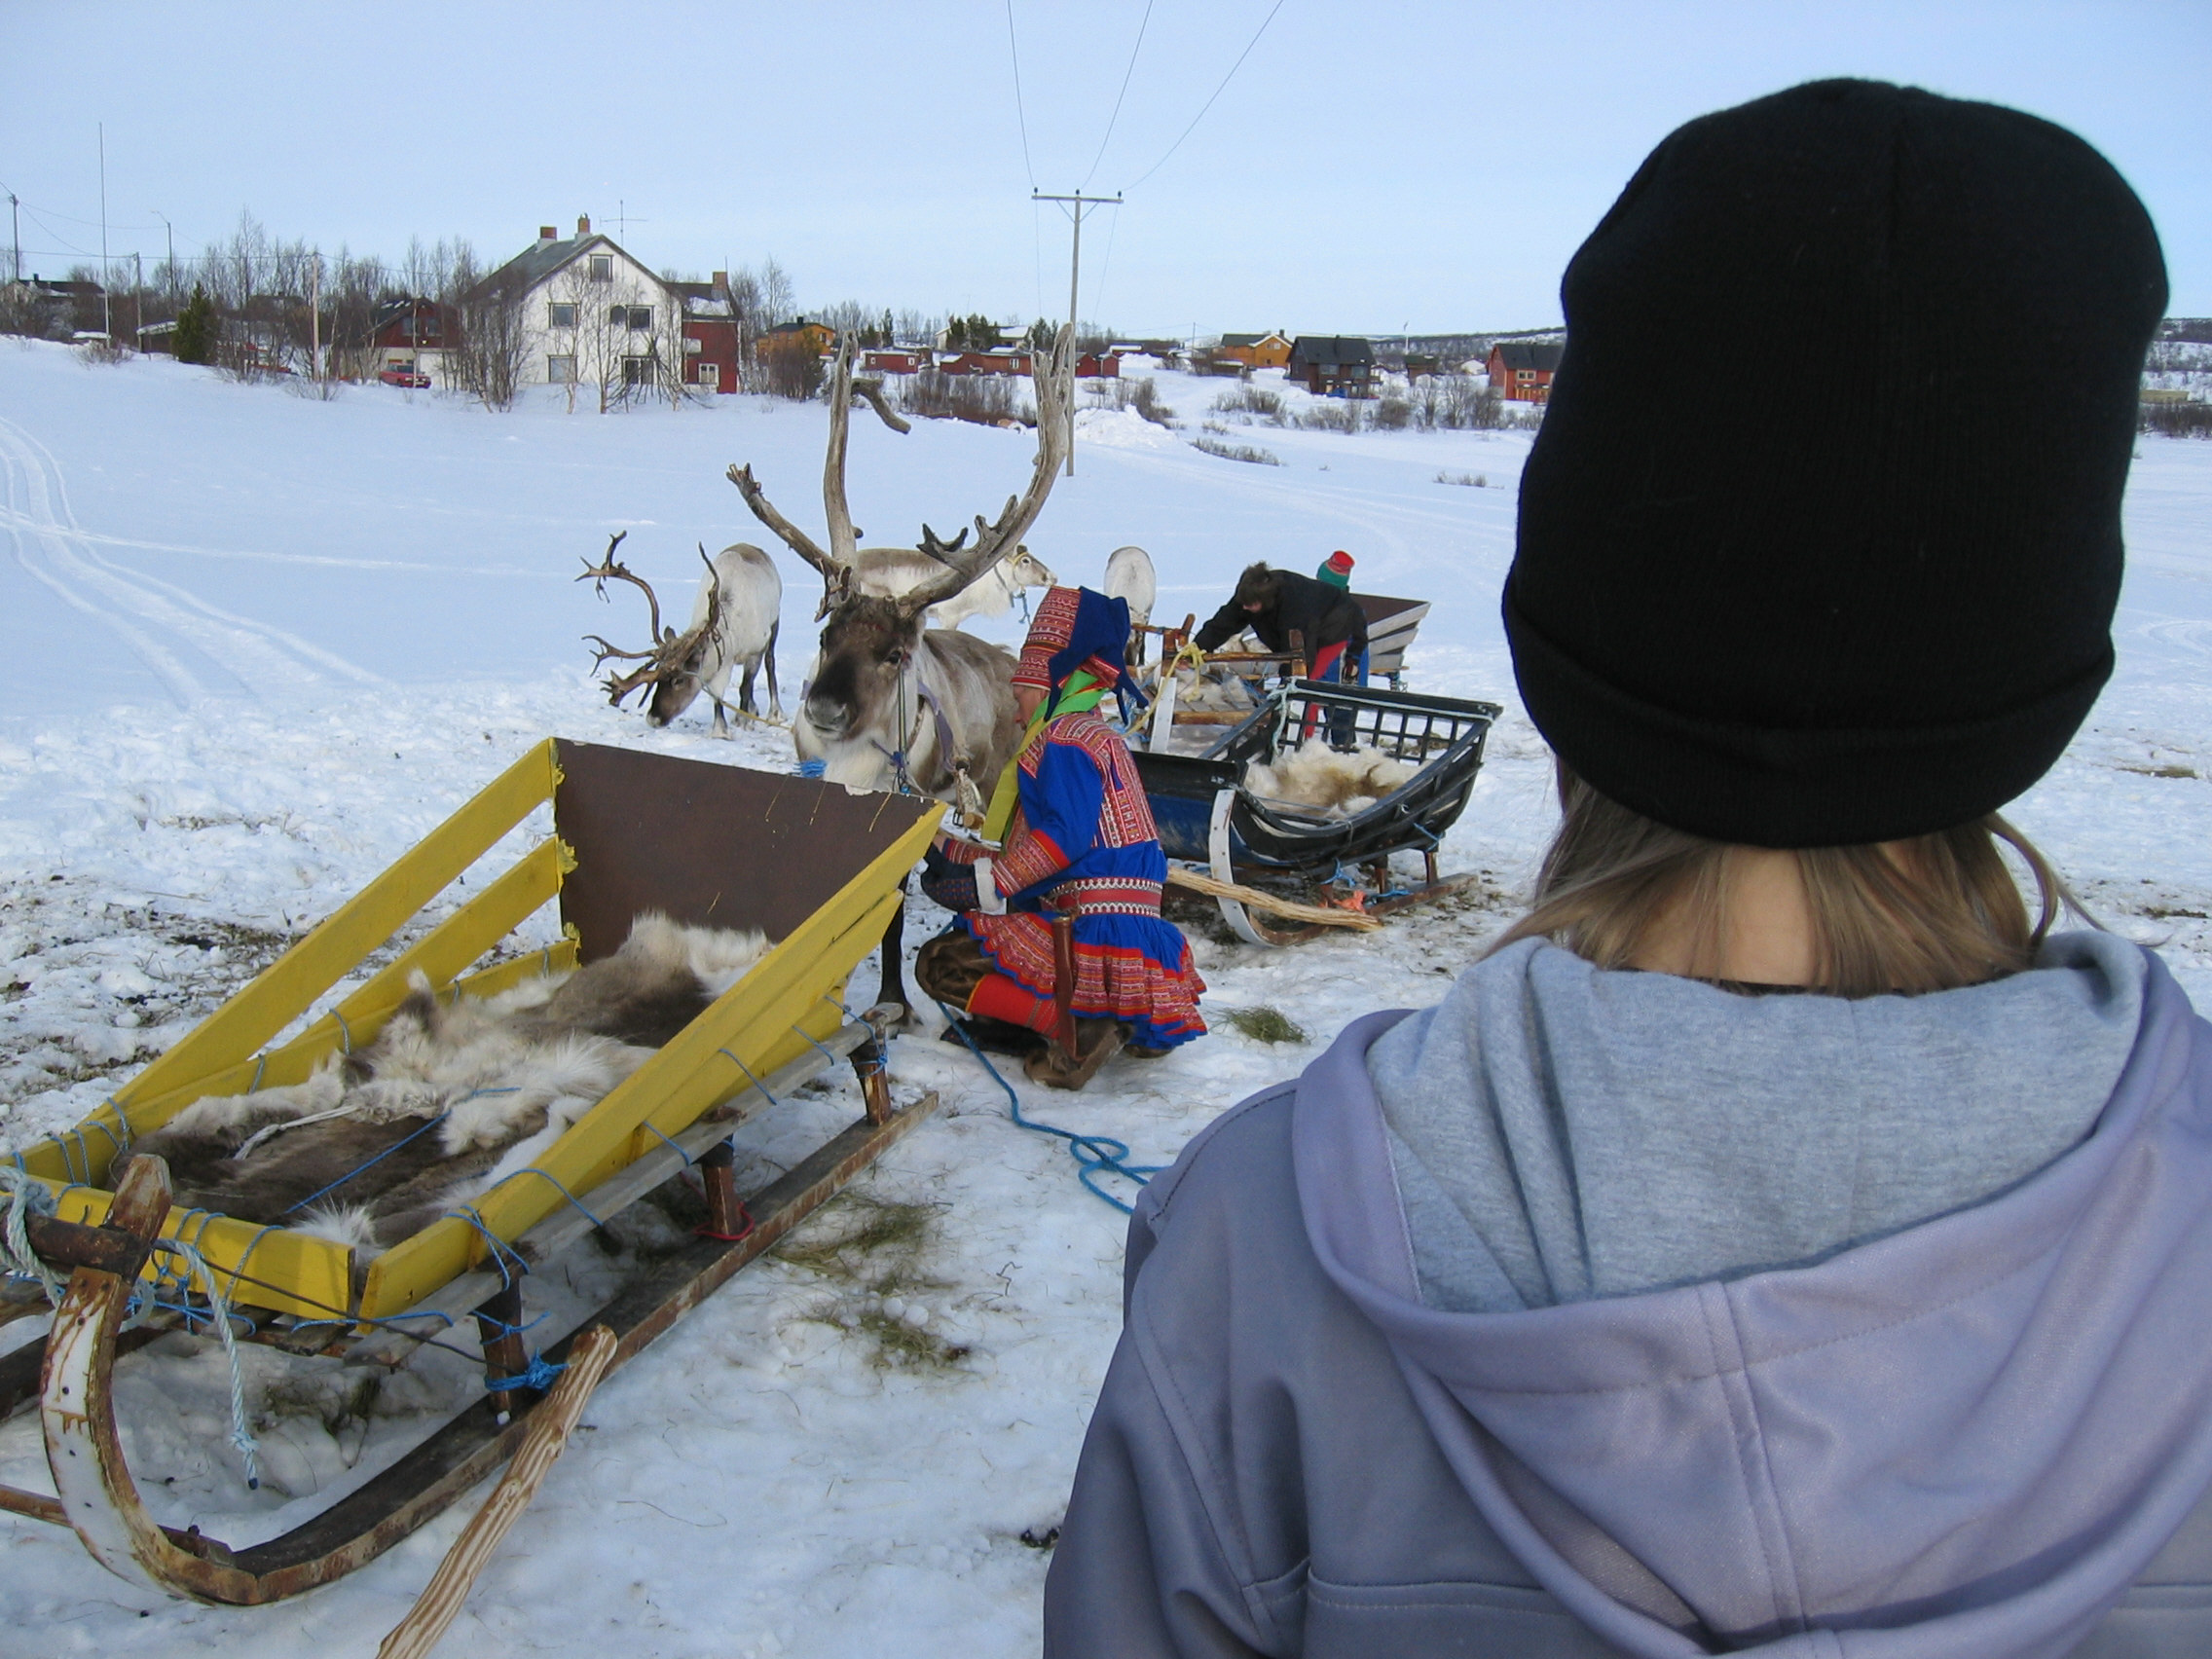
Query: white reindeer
889	573
735	622
1129	575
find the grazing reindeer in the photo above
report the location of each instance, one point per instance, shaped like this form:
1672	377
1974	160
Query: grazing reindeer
734	623
889	572
1129	577
893	704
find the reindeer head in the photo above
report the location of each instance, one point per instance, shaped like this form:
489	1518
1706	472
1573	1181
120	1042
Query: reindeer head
867	642
671	664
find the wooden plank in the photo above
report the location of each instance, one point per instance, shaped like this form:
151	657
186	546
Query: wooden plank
550	1426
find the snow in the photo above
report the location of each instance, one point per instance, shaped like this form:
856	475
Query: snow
260	645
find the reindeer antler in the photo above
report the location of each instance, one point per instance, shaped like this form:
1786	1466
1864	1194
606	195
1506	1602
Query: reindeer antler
1054	376
669	647
835	565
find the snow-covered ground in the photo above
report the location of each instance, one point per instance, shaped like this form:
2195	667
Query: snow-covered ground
258	645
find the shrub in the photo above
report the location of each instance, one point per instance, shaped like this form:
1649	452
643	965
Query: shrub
196	329
1236	451
988	400
2176	420
790	367
1250	399
1393	414
1146	402
1473	480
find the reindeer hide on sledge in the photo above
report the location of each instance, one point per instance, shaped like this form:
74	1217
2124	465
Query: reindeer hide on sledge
452	1096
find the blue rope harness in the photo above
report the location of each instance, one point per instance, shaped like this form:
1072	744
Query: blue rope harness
1099	1155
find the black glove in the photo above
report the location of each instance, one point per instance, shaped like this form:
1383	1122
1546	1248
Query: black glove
944	882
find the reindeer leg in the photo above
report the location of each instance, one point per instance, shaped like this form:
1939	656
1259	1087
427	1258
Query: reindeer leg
722	718
894	983
775	697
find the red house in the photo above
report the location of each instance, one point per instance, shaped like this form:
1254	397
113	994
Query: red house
709	334
894	360
1522	370
984	363
1098	365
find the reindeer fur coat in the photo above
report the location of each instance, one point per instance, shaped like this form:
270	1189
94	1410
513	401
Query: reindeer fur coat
452	1096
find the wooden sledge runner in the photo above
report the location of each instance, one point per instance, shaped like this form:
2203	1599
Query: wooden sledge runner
818	869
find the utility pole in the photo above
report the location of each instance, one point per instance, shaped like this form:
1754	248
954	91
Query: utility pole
1074	274
107	321
171	229
16	230
314	315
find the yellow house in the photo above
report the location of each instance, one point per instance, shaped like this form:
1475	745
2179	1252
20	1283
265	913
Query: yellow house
820	336
1255	350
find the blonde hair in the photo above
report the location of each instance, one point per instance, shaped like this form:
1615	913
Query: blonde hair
1925	914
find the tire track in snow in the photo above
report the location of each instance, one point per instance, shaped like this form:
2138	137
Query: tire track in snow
151	615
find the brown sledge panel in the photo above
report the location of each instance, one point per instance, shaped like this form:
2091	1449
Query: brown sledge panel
713	846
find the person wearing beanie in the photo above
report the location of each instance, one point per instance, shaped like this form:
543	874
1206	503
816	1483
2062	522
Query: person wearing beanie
1777	1242
1335	571
1075	836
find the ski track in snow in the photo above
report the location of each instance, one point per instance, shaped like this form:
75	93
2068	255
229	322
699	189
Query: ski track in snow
767	1480
264	661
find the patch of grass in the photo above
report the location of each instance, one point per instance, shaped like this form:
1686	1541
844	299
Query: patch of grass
1264	1023
1236	451
2166	771
1472	480
874	1225
875	1256
2171	912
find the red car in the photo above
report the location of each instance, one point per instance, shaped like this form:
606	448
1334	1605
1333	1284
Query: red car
398	375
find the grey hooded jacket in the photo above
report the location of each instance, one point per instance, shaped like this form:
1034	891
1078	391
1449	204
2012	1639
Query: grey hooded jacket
1984	1436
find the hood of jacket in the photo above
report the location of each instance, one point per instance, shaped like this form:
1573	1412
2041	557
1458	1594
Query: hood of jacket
1962	1439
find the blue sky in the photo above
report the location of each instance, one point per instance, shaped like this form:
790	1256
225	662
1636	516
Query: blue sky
1370	166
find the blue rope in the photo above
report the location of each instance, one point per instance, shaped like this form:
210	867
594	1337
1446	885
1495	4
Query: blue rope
748	1077
1099	1155
260	1065
538	1375
501	1250
344	1031
671	1145
532	1169
362	1168
812	768
818	1047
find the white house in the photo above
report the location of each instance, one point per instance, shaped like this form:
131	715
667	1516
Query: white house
589	315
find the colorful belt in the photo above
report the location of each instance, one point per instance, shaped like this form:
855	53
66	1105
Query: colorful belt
1106	896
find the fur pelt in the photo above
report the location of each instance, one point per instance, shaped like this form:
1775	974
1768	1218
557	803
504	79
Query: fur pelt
1326	780
453	1096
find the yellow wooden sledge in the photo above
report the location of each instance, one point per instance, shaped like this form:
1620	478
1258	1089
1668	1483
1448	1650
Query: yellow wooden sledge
818	869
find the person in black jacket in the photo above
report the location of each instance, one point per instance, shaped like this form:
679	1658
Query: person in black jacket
1331	628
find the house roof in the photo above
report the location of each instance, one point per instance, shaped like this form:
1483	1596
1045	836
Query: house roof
541	260
1529	353
1332	351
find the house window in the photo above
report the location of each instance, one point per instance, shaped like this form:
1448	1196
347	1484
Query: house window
640	317
1526	376
637	371
564	314
618	317
561	370
602	267
710	375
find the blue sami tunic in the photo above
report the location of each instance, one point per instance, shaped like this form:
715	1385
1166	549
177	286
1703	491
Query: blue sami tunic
1083	839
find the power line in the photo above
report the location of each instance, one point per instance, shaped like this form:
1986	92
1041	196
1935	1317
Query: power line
1119	96
1024	119
1216	92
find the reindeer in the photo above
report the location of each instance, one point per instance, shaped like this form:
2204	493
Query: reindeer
893	705
890	571
734	623
1129	575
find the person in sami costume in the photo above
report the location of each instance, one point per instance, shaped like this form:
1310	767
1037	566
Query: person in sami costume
1076	835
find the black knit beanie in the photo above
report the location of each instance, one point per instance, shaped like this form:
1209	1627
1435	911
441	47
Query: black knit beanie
1820	541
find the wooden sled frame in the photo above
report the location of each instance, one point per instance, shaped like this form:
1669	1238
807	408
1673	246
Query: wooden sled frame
781	1026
